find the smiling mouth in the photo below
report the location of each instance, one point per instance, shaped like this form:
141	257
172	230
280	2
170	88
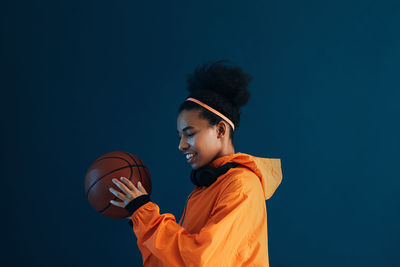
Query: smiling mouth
191	159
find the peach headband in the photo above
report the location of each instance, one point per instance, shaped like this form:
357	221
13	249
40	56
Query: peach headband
212	110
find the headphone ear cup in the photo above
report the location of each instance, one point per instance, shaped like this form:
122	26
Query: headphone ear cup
193	177
207	175
203	176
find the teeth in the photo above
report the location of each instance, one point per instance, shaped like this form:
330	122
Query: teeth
189	156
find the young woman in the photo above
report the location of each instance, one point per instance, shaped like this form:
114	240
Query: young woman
225	221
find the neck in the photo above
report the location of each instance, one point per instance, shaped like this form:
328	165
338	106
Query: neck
227	150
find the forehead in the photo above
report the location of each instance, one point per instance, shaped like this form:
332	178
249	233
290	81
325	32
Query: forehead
190	118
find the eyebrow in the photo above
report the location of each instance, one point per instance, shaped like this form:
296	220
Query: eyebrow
186	128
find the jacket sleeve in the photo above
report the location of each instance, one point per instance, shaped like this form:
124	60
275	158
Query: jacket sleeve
146	254
217	242
148	258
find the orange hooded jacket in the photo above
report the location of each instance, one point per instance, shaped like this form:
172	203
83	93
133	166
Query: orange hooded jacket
225	224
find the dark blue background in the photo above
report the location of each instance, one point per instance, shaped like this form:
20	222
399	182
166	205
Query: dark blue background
83	78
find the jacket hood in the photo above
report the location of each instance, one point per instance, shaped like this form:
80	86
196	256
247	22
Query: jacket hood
268	170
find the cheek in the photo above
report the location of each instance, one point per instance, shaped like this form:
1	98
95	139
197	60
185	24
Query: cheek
197	142
205	143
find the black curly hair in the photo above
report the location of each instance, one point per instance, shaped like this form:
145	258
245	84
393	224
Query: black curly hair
221	86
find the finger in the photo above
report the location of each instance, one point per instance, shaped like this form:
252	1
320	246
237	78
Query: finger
133	188
116	203
118	194
128	183
122	187
141	188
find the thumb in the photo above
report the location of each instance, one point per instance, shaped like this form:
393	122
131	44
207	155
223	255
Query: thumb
139	185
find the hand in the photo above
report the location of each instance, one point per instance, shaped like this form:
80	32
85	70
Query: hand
129	192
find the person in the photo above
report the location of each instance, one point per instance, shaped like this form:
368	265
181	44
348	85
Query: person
224	222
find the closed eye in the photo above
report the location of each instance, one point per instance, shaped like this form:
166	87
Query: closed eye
189	135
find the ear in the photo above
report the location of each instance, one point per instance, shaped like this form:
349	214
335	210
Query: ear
222	129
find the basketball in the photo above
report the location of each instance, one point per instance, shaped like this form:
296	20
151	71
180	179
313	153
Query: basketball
99	177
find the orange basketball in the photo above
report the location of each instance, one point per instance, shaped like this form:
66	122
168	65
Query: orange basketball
99	177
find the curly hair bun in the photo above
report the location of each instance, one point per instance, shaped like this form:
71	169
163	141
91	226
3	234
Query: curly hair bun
220	78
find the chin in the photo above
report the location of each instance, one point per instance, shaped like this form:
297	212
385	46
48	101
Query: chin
196	166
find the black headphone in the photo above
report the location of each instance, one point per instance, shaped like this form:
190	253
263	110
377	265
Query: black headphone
207	175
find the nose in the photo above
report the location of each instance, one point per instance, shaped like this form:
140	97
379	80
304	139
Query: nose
182	144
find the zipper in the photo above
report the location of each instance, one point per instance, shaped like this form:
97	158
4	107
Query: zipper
184	211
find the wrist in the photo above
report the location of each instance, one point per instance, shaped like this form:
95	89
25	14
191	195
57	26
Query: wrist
136	203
